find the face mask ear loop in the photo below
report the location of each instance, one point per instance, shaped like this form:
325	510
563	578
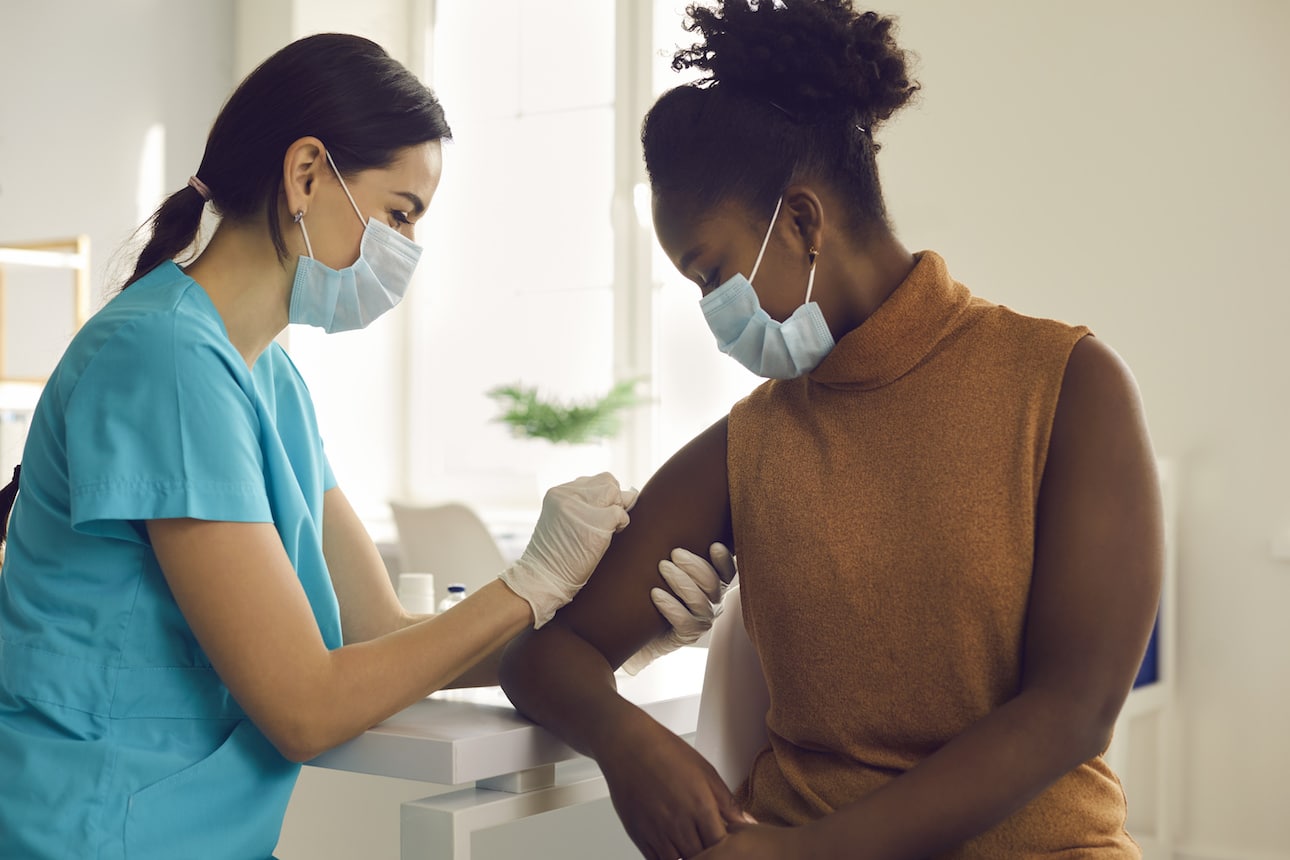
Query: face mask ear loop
300	219
766	241
810	278
345	188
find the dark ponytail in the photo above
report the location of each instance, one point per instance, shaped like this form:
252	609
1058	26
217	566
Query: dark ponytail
173	228
793	91
345	90
7	497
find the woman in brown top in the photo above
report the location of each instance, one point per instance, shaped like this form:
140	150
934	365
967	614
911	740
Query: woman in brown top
946	513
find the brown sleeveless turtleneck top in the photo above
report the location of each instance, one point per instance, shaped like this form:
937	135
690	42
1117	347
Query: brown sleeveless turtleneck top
884	516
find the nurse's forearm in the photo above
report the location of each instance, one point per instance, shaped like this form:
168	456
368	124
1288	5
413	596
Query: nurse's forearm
370	681
244	602
368	605
482	674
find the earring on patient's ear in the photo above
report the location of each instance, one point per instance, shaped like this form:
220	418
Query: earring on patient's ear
811	254
299	214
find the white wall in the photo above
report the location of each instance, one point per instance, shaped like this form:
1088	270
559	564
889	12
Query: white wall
1124	165
1119	164
81	85
104	110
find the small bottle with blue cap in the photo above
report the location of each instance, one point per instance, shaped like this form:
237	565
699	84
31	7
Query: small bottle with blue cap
456	594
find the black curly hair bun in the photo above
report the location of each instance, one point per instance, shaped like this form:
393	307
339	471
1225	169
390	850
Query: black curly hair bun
793	92
813	59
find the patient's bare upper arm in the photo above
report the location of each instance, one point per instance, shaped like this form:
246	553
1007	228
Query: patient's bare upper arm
686	504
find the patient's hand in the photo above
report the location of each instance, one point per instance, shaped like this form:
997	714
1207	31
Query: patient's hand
671	801
762	842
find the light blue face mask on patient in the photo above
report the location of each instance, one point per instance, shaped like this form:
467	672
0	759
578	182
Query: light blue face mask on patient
352	297
767	347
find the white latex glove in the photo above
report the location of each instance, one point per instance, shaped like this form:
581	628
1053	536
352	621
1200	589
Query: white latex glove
700	587
577	522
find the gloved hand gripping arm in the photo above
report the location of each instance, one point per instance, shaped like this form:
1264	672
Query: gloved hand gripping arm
577	522
700	587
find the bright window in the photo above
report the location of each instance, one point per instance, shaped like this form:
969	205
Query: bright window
524	268
695	383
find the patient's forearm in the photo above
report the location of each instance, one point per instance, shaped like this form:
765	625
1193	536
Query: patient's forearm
579	702
969	785
563	675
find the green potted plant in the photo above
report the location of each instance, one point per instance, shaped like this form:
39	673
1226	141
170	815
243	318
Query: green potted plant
579	428
530	416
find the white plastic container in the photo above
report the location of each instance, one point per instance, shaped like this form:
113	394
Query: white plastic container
416	592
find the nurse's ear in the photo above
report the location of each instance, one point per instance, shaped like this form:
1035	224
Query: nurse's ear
301	169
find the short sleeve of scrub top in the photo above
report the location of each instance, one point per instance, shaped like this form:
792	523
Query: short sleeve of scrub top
161	425
117	738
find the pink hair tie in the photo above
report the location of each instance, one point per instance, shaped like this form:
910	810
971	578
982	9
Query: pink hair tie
201	187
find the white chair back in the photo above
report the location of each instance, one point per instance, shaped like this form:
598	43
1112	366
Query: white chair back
735	701
450	541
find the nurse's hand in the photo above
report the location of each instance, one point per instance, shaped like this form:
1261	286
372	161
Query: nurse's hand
672	803
701	587
578	520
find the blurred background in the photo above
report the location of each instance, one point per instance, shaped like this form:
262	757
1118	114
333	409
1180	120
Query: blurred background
1117	164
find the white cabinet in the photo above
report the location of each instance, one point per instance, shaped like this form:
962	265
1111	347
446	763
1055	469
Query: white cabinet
44	300
17	402
1143	752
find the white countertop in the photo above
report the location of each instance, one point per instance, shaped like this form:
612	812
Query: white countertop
459	736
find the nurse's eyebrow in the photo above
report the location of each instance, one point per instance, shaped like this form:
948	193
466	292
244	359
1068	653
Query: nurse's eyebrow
418	206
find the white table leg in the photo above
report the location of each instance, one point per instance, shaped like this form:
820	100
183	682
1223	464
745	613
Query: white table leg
440	827
522	781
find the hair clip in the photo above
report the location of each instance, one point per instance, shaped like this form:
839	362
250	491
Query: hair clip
200	187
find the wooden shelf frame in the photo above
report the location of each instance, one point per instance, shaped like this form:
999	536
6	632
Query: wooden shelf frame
72	254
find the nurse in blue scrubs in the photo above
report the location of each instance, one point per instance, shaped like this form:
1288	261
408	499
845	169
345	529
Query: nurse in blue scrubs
189	607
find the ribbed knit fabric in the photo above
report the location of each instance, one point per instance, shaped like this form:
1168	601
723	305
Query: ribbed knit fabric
884	518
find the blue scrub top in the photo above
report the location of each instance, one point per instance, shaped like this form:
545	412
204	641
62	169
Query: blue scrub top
117	738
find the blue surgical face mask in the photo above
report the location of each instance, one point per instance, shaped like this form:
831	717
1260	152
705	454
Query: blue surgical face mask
767	347
352	297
